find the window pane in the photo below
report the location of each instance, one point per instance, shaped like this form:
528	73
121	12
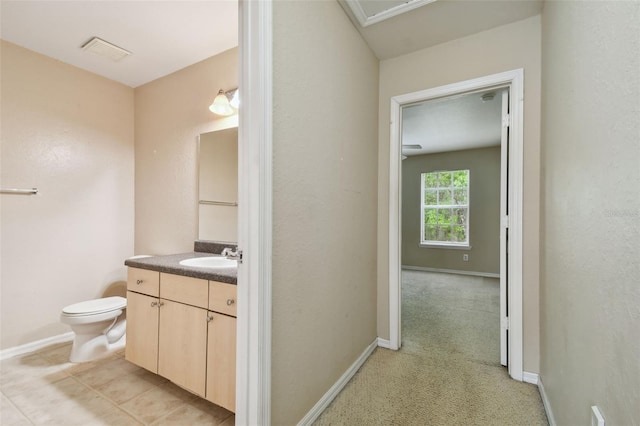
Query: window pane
430	180
430	197
443	233
430	216
444	197
460	216
459	234
461	178
430	233
444	216
460	196
444	179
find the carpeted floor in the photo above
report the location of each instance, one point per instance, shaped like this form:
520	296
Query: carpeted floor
448	370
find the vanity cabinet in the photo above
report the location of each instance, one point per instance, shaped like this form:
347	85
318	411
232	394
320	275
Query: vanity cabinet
178	333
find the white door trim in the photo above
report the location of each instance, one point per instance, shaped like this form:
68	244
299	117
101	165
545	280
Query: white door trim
253	367
504	185
515	80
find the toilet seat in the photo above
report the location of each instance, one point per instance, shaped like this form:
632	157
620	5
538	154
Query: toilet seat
95	306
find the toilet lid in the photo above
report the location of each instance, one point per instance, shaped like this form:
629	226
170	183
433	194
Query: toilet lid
96	306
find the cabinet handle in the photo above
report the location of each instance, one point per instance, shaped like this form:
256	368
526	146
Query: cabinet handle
209	318
139	282
230	302
160	304
154	304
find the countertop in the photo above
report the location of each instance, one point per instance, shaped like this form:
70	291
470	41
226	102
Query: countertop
170	264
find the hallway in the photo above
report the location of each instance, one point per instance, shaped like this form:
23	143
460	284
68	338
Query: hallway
448	370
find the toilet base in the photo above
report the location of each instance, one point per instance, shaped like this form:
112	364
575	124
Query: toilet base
91	347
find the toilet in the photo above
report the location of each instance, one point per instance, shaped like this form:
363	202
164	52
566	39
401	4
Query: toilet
99	326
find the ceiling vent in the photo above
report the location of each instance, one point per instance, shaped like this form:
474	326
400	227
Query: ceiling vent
369	12
105	49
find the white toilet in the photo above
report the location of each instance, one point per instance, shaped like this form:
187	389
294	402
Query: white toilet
99	326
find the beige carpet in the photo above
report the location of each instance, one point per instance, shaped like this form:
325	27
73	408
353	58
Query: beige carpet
448	371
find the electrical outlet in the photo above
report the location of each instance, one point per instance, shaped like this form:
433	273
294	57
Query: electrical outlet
596	416
465	257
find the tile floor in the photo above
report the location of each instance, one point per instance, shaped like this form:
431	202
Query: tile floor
44	388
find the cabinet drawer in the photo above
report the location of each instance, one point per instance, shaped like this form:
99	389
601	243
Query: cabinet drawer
192	291
222	297
143	281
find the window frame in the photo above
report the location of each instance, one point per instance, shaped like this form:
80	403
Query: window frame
464	245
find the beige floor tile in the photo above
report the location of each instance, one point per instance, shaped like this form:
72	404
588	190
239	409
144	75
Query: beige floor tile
68	402
105	371
155	404
231	421
178	392
125	387
199	412
26	373
56	354
150	377
10	415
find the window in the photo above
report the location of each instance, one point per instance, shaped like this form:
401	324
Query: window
445	208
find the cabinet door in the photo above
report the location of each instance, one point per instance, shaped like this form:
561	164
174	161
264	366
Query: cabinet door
142	331
183	345
221	361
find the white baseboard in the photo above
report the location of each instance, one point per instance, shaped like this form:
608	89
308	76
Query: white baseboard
451	271
530	377
34	346
545	402
326	399
384	343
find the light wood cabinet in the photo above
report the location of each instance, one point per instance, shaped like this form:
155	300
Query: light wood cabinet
182	352
192	291
184	329
142	331
222	298
221	361
143	281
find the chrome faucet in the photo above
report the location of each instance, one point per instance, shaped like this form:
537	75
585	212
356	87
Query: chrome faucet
228	252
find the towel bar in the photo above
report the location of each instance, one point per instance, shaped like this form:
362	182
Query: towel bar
31	191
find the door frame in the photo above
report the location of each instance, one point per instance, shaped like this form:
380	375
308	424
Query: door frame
514	80
255	137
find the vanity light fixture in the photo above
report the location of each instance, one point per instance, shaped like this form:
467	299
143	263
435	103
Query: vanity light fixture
225	103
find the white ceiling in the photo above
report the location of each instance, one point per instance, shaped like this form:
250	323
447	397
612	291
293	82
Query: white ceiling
396	27
452	124
163	36
433	23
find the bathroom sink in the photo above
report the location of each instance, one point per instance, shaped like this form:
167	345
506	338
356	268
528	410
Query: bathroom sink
210	262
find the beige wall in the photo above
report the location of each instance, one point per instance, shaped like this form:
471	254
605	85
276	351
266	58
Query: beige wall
324	202
170	113
590	297
484	211
70	134
501	49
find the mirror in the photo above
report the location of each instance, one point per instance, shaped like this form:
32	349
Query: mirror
218	186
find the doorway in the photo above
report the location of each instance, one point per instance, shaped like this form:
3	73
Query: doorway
510	210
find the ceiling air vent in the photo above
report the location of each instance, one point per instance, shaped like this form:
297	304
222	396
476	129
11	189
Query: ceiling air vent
105	49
